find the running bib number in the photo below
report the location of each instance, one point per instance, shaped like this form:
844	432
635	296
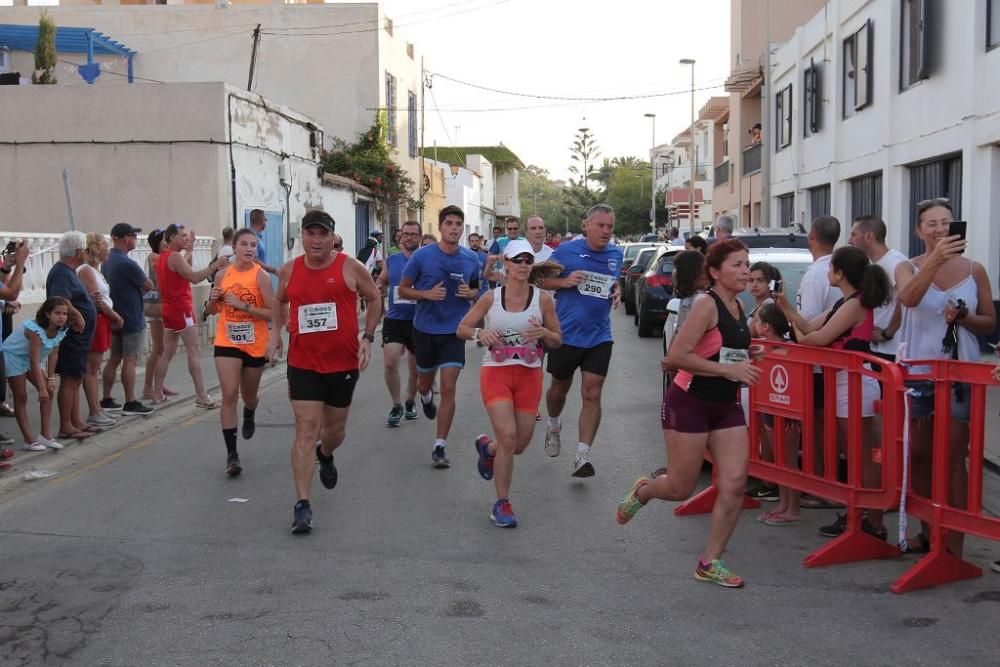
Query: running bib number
317	317
729	355
241	333
398	300
597	285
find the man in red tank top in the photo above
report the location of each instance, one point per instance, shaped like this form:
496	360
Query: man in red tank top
321	291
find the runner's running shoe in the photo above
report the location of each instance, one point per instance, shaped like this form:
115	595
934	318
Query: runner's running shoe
485	463
552	443
395	415
327	470
249	424
717	573
233	467
630	503
503	514
302	519
410	411
582	467
439	459
430	410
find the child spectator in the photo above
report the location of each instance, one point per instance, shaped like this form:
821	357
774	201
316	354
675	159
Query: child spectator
30	345
771	325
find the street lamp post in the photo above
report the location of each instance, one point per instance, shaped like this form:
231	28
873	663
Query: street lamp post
691	157
652	189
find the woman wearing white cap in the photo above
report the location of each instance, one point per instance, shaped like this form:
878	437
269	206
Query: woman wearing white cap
519	318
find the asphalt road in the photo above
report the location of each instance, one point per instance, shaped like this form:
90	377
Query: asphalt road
139	556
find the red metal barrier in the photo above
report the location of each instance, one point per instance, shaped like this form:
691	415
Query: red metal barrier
786	392
939	511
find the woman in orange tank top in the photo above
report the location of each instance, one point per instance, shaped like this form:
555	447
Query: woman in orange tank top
241	296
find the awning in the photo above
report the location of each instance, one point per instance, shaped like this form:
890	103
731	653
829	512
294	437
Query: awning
68	40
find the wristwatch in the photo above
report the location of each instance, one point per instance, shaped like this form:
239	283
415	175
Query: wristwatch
475	333
368	337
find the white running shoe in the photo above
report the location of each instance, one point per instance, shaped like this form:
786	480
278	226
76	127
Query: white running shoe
51	444
553	442
37	446
582	467
100	419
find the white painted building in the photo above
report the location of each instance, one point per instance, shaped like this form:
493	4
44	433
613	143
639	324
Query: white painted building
339	64
879	104
471	189
132	157
673	168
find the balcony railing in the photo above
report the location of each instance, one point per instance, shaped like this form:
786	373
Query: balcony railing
751	159
721	173
507	205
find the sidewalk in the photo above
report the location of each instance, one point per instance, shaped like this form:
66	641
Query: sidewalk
177	379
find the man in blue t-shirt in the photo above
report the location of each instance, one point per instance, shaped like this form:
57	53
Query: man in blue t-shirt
586	290
127	282
397	327
494	270
258	223
443	278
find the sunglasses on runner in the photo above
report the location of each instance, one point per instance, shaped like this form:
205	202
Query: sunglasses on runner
522	259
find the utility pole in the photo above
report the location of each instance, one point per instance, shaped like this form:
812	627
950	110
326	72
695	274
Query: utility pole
691	155
253	56
652	191
425	83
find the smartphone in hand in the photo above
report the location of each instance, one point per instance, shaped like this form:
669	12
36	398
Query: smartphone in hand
958	228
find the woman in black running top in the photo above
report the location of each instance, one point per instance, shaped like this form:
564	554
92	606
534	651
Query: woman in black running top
702	407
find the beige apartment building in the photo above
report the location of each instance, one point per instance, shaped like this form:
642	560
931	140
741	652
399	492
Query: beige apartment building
737	150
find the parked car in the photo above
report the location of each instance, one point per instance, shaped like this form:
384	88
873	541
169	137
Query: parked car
630	251
791	262
779	237
650	237
636	269
653	290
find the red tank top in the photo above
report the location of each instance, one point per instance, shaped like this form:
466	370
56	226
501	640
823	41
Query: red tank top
175	291
322	318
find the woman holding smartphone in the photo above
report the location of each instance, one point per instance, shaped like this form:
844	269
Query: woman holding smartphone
947	302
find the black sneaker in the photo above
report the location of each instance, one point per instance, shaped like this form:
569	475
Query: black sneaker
327	471
395	416
765	493
233	467
133	408
249	424
439	459
410	411
430	410
302	519
835	529
109	404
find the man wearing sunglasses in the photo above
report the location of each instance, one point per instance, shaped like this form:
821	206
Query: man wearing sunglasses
494	266
585	292
397	327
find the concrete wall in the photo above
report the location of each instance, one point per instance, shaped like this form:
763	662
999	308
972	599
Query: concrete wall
326	61
955	111
132	157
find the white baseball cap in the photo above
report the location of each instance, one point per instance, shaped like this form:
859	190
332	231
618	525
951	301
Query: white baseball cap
518	247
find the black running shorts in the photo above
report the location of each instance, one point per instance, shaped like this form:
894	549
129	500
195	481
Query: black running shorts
333	389
565	359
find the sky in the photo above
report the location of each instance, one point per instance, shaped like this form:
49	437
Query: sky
562	48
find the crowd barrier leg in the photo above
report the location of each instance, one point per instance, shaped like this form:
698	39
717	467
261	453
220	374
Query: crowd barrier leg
937	567
852	546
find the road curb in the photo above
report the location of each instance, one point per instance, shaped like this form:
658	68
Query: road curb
77	455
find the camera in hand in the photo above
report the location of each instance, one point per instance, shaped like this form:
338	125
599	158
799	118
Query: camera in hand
775	286
11	247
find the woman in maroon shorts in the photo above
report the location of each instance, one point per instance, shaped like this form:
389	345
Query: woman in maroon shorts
702	407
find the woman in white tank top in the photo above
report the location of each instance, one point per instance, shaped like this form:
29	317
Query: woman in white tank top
943	295
519	320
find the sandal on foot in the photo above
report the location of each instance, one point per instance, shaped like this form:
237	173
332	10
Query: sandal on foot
764	516
75	435
170	392
210	404
781	520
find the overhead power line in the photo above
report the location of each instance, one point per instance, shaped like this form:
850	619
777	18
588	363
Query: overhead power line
564	98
